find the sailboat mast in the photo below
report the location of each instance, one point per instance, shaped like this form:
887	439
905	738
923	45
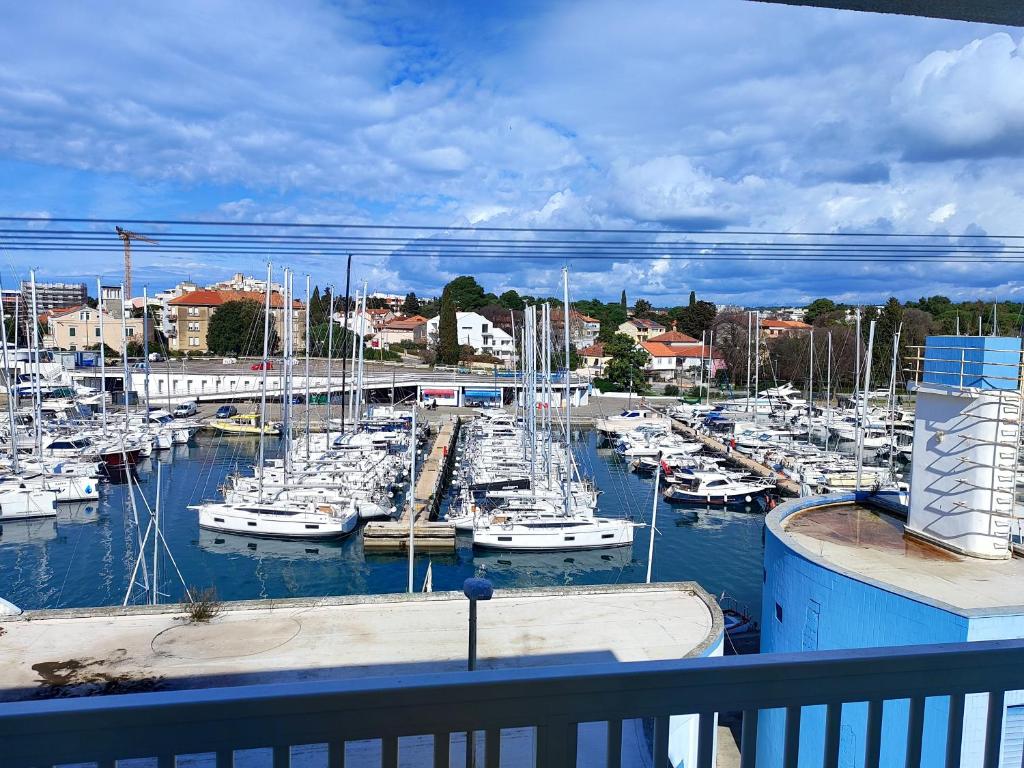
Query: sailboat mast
810	386
330	358
156	536
263	387
124	361
864	408
856	387
828	390
10	389
348	335
757	360
749	342
103	359
37	393
355	372
286	394
654	521
412	498
568	392
306	345
362	347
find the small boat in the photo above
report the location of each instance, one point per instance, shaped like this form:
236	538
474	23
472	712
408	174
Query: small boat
714	488
26	503
245	424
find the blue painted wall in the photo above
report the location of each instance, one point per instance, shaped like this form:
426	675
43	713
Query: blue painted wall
988	362
809	606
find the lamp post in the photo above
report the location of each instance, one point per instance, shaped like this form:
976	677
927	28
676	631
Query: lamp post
475	589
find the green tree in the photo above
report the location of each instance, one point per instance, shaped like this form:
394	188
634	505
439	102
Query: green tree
411	305
236	328
693	298
694	318
819	307
511	299
642	308
466	293
376	302
626	367
447	330
622	301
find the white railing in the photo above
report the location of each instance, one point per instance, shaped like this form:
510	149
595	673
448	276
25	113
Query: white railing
553	701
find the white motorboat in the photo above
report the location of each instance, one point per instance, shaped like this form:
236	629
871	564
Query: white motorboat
715	488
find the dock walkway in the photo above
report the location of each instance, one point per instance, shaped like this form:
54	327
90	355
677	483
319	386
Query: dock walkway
393	535
786	486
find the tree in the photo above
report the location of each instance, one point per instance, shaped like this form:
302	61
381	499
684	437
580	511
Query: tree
642	308
466	293
626	367
447	330
622	301
817	308
411	305
511	299
376	302
693	298
695	318
236	328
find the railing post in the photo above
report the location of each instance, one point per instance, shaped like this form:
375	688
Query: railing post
556	747
748	739
994	729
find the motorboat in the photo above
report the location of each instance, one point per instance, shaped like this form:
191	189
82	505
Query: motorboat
714	488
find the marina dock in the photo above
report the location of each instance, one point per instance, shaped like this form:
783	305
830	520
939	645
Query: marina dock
787	487
393	535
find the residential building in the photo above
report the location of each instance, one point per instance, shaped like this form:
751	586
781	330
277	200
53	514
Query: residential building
392	301
54	295
583	329
641	330
674	339
663	363
773	329
167	325
11	299
245	283
112	299
192	311
672	361
403	329
593	359
77	328
478	332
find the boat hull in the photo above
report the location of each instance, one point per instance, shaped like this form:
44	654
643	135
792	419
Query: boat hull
520	537
274	526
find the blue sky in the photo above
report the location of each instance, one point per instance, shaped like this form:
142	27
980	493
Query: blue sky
721	113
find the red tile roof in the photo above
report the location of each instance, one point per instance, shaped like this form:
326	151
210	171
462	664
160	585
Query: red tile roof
658	350
406	323
673	337
792	325
698	350
594	350
205	297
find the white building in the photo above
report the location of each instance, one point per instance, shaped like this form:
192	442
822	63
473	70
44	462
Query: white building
241	282
393	301
481	334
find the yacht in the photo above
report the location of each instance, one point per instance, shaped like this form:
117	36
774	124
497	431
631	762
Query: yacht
290	520
714	488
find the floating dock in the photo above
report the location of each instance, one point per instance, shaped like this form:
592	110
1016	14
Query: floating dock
393	535
785	485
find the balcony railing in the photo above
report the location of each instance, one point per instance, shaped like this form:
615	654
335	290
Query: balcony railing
550	702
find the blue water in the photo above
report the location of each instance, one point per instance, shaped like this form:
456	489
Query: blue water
86	556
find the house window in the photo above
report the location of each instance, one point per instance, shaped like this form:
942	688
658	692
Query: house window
98	333
129	332
193	341
83	316
71	332
194	311
483	328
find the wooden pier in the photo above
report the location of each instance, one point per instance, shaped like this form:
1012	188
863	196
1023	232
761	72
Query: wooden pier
431	477
785	485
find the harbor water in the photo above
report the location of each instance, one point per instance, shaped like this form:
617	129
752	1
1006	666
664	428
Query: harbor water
85	557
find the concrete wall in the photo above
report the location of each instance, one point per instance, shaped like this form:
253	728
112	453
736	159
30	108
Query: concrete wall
823	609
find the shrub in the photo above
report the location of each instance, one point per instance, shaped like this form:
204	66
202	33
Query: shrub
203	606
671	389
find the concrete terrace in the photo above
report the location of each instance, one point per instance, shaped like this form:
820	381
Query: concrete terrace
81	652
870	545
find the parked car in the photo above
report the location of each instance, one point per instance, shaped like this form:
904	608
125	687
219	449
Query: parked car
185	410
226	412
259	366
229	361
143	367
156	357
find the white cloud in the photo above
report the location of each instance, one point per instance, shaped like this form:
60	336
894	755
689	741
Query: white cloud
969	100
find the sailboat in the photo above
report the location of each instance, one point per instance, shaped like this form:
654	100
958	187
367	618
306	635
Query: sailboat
280	515
561	522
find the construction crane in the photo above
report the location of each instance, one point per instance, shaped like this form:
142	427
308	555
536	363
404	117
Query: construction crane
126	238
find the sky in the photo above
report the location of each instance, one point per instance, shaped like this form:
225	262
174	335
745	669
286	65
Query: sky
703	114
